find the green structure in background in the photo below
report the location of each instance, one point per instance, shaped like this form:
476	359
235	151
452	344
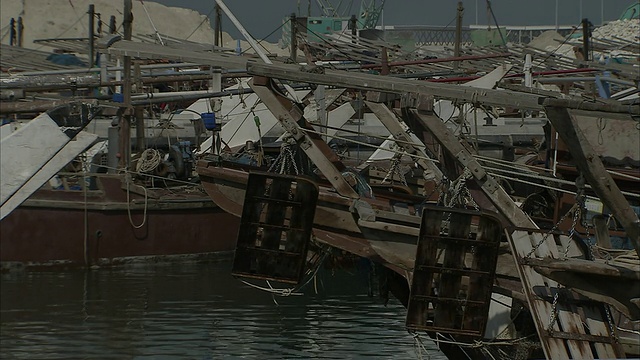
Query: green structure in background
488	37
631	12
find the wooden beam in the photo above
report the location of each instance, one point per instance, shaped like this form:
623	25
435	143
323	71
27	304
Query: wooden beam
591	167
390	84
312	144
389	120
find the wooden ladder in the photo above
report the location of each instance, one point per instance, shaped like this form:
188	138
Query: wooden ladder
570	326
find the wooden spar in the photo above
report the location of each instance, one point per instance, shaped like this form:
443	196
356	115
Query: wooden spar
7	107
312	144
61	82
361	81
439	60
124	147
590	165
41	147
389	120
443	91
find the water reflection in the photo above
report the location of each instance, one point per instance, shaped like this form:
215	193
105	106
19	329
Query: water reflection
193	311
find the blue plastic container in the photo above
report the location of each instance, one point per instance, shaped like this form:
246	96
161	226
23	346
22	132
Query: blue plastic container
209	120
118	97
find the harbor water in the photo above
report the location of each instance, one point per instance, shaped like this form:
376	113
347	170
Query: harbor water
197	311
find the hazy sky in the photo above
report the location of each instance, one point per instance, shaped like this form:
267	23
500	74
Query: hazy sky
261	17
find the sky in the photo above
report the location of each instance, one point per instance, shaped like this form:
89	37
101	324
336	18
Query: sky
262	17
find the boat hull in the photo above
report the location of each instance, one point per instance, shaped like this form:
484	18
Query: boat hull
61	228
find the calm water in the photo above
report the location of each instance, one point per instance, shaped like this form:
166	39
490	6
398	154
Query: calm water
195	311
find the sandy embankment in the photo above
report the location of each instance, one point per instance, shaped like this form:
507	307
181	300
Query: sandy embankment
45	19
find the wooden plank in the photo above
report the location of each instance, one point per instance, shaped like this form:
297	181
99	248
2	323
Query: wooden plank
536	289
35	145
275	212
312	144
450	283
422	281
82	141
443	91
484	259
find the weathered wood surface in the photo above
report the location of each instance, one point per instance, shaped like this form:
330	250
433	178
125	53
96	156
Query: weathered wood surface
550	320
275	227
443	91
37	146
454	271
389	120
313	145
590	165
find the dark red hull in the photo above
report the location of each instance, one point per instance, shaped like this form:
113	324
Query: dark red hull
49	229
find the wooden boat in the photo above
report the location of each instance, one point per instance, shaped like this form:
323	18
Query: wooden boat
374	225
81	218
112	223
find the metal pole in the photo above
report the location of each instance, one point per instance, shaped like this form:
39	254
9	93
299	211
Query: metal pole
586	34
580	10
556	15
91	31
354	28
244	32
217	34
12	34
112	24
456	50
20	31
125	116
476	12
139	110
294	38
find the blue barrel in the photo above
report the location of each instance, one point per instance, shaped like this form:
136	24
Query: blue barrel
209	120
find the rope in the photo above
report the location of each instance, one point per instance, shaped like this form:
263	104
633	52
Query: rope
202	22
146	199
148	161
291	291
152	24
263	39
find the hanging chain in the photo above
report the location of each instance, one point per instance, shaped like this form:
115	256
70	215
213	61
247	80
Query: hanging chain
554	311
555	227
614	335
285	160
394	169
572	231
457	192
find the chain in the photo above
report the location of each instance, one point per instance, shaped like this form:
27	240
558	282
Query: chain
458	192
554	310
576	216
555	227
444	185
395	169
285	160
614	335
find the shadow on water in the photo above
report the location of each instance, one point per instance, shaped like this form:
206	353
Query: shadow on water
195	311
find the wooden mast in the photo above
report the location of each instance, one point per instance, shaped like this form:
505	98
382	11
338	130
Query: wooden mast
126	110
